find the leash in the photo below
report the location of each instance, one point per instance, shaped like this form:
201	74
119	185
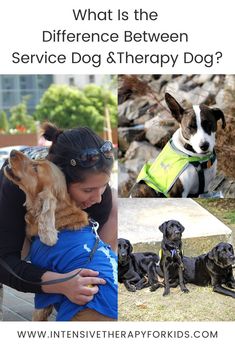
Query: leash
95	226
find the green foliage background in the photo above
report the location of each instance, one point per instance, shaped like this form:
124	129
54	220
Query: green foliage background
69	107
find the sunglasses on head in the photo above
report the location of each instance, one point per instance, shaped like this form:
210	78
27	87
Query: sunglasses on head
91	156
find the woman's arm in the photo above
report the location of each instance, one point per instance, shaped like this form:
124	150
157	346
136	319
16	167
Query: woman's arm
12	236
79	289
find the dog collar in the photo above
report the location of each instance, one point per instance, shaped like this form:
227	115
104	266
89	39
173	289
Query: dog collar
172	251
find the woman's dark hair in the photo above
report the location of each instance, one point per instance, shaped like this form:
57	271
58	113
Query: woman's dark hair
66	146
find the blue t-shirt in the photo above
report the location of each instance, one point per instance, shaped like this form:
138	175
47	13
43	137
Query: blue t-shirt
72	252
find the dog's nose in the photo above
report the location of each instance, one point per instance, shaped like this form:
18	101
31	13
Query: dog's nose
204	146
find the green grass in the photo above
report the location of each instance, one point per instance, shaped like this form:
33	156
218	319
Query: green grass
224	209
200	304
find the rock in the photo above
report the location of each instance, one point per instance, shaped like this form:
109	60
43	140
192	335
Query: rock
125	182
173	88
160	128
220	99
122	112
138	154
188	86
142	119
127	134
229	82
201	79
162	81
142	150
134	166
223	184
196	96
210	87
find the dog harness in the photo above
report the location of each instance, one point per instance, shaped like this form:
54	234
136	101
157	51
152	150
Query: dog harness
161	174
72	251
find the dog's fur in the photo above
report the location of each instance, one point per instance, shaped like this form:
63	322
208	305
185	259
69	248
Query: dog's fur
133	267
171	259
214	268
48	204
195	137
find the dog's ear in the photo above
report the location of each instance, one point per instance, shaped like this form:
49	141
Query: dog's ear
231	249
130	247
181	227
212	254
218	114
45	206
162	227
175	108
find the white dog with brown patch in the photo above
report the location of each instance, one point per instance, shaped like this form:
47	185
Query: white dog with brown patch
187	163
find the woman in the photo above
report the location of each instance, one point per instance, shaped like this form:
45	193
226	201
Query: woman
86	161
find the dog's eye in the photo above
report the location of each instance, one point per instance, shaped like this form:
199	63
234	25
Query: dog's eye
192	126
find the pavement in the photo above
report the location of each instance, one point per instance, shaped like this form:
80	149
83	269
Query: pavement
139	219
17	306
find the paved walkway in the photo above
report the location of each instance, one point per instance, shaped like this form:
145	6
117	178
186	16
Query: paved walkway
139	219
18	306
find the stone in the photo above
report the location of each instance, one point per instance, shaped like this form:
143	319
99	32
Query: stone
125	182
160	128
201	79
210	87
143	151
128	134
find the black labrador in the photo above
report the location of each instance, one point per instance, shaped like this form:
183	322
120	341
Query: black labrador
133	267
213	268
171	258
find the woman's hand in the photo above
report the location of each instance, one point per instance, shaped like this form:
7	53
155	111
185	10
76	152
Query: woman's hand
79	289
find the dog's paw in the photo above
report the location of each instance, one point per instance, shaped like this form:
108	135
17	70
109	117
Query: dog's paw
231	285
154	287
185	290
50	241
165	293
132	288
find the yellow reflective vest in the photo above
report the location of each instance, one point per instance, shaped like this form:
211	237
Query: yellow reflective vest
161	174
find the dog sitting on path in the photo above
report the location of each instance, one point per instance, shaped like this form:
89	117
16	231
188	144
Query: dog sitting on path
213	268
171	258
133	267
187	163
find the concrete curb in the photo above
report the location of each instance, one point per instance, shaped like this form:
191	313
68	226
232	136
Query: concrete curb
139	220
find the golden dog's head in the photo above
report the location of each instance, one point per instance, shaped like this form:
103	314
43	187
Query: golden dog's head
45	189
34	176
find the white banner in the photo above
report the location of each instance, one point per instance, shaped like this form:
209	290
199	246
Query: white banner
119	37
157	335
